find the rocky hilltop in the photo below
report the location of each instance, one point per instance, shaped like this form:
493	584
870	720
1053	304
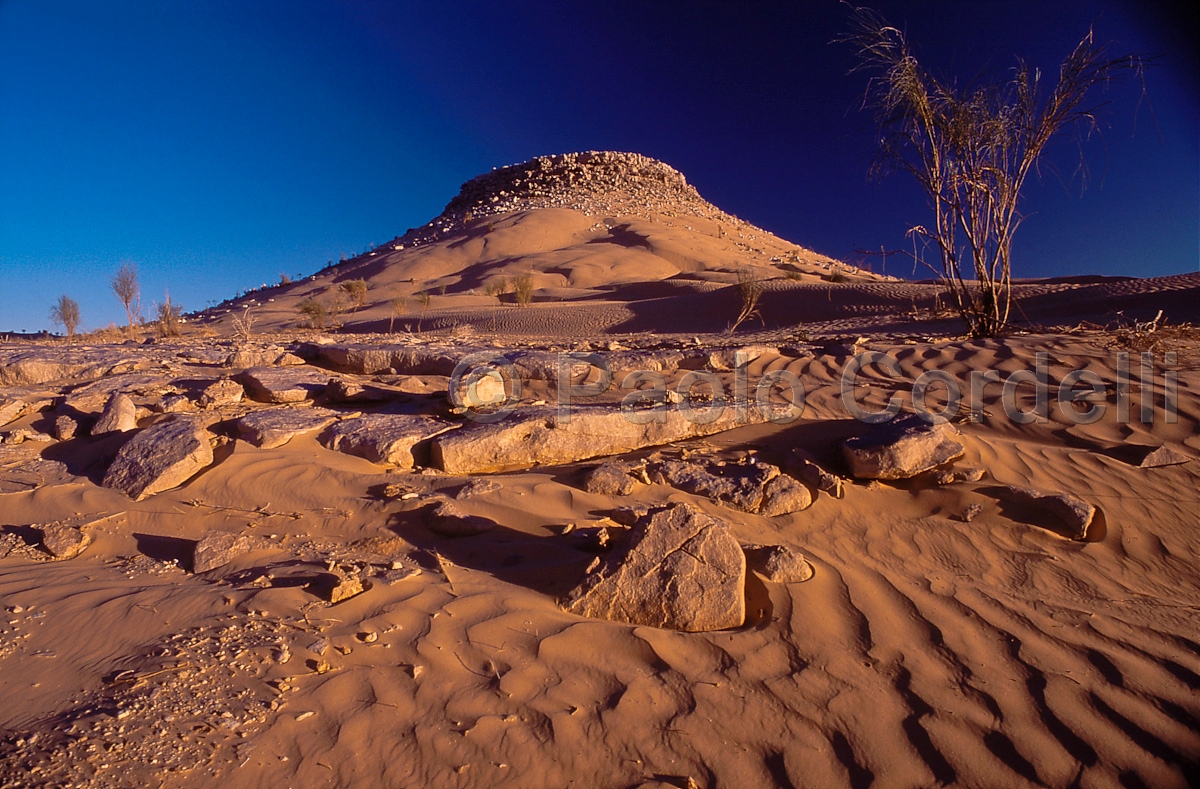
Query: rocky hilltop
595	183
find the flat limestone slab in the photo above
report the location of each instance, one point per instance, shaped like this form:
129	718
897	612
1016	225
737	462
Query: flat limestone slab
385	438
282	385
160	457
540	437
274	427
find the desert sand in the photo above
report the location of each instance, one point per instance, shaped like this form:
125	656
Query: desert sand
304	603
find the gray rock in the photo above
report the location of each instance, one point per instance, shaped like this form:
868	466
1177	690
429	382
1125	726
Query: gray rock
222	393
783	496
739	484
448	520
778	564
385	438
1075	514
119	416
283	385
218	549
537	436
274	427
160	457
610	479
679	569
902	449
64	541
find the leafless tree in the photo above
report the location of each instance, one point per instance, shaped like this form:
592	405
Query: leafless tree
972	148
66	314
750	288
125	285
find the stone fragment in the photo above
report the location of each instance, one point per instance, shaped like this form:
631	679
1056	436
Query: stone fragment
540	436
610	479
778	564
221	393
680	569
813	475
11	410
119	416
1163	456
1075	514
177	404
479	388
739	484
385	438
64	541
281	385
159	458
346	587
447	520
902	449
217	549
783	496
274	427
65	427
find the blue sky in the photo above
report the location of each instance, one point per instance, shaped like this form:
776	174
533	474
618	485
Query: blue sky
220	144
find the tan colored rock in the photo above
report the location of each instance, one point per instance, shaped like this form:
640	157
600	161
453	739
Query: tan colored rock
679	569
902	448
11	410
281	385
274	427
222	393
1075	514
610	479
783	496
65	427
739	484
778	564
448	520
160	457
538	436
385	438
1164	456
218	549
811	474
119	416
64	541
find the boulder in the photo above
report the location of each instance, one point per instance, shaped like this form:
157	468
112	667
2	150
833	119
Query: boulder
218	549
477	487
385	438
610	479
222	393
783	496
274	427
11	410
1074	514
778	564
539	436
119	416
448	520
64	541
902	449
739	484
281	385
679	568
159	458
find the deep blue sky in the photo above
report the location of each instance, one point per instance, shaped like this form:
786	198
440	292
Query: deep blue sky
218	144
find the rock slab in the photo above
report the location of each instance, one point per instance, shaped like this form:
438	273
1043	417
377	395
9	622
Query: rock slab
1075	514
119	416
274	427
902	449
385	438
64	541
679	569
217	549
160	457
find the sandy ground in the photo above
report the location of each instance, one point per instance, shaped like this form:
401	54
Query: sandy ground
927	649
